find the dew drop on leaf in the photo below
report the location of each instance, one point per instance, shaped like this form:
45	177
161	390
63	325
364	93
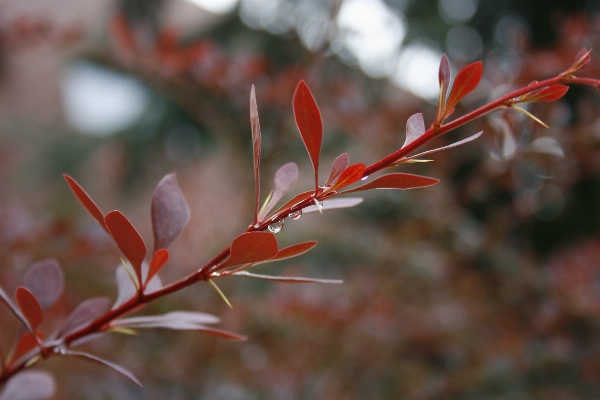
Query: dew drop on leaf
276	227
295	215
364	178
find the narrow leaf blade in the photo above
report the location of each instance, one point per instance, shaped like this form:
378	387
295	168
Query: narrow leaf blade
116	367
86	201
30	307
548	94
256	147
170	212
466	81
287	279
174	317
333	204
339	165
128	239
15	310
310	125
251	247
455	144
45	281
396	181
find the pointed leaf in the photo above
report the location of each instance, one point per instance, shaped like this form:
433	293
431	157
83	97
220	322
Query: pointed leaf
86	201
350	175
256	147
174	320
444	78
251	247
581	60
333	204
340	164
223	334
547	94
30	307
116	367
310	125
83	314
466	81
296	199
26	343
285	177
396	181
455	144
286	279
170	212
15	310
128	239
415	128
159	259
285	253
44	280
29	385
294	250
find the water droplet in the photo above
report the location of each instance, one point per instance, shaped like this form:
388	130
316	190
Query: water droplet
364	178
276	226
295	214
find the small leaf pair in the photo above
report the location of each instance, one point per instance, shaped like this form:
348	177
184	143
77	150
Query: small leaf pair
170	214
465	82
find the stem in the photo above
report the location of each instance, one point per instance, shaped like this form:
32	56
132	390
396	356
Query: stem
102	323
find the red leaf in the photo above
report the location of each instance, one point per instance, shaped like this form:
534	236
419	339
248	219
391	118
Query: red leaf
310	125
84	313
466	81
170	212
340	164
415	127
250	248
159	259
256	147
350	175
26	343
294	250
286	279
285	177
15	310
116	367
128	239
86	201
30	308
444	78
396	181
547	94
27	385
296	199
45	281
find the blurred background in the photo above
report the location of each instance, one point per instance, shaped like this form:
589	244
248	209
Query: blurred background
485	286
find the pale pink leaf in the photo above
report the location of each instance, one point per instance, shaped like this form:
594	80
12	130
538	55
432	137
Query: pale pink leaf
455	144
339	165
44	279
285	177
116	367
170	212
126	288
172	320
15	310
29	385
333	204
415	127
83	314
287	279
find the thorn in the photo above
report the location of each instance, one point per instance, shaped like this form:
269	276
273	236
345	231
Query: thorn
530	115
319	206
214	285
